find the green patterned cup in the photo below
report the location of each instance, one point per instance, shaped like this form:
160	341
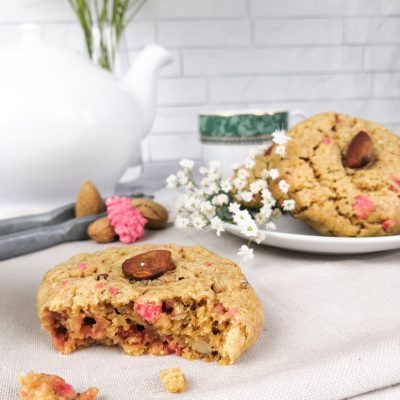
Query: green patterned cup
228	136
250	127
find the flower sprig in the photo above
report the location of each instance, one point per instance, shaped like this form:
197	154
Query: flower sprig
216	200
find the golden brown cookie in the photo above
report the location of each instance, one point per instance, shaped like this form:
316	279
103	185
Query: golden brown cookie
344	174
200	307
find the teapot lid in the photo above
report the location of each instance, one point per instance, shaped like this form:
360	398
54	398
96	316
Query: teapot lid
33	50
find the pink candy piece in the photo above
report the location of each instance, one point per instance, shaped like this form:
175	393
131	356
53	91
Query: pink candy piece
99	285
83	266
219	308
113	291
209	263
327	140
363	206
64	390
149	311
127	221
388	224
232	311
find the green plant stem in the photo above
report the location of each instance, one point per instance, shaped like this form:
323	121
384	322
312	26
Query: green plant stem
111	18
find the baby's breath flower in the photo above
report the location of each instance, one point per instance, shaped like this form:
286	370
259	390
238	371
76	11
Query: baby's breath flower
246	196
261	235
203	170
214	165
234	207
249	228
280	137
266	195
249	163
204	206
280	150
273	173
257	186
226	185
235	166
239	183
183	179
270	226
246	253
266	211
182	222
283	186
288	205
187	164
199	222
218	225
242	173
172	181
242	217
220	199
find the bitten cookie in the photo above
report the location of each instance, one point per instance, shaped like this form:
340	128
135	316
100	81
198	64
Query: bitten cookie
151	299
344	174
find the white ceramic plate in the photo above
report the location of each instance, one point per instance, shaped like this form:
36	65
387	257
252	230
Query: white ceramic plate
292	234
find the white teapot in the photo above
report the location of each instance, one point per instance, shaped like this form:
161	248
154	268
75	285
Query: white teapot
64	120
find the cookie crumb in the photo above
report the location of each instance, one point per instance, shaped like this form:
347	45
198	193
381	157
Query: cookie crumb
38	386
173	380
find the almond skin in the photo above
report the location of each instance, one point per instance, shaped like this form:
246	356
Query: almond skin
149	265
360	151
155	213
88	201
101	231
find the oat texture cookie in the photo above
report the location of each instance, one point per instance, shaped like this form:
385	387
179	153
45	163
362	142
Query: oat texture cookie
38	386
344	174
151	299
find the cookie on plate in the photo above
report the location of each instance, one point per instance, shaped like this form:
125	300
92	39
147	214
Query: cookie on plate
344	174
38	386
151	299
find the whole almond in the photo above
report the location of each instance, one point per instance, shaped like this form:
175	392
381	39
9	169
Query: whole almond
101	231
360	151
155	213
149	265
89	201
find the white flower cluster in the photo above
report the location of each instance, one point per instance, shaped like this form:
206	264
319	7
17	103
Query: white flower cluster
211	204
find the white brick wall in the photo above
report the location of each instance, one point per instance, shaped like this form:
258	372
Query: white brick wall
308	55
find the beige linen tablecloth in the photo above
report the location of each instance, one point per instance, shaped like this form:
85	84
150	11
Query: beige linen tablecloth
332	330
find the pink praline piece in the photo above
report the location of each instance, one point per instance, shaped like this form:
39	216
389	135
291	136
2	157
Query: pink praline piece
388	224
363	206
127	221
327	140
150	311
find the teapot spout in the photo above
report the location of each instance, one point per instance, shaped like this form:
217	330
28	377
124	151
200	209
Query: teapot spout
141	81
